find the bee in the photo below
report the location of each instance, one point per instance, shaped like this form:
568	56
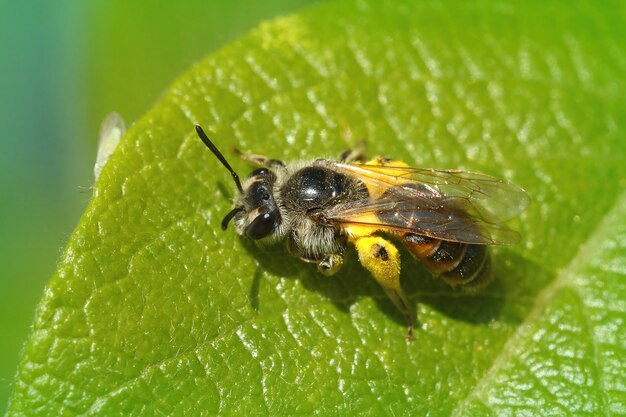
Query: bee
445	218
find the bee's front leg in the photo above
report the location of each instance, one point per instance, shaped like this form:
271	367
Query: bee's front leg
259	160
382	259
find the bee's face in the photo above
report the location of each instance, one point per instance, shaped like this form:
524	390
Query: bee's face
256	213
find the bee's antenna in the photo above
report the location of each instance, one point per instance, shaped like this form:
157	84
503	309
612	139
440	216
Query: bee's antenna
230	215
219	156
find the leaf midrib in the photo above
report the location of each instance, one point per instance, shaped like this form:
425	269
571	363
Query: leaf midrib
563	280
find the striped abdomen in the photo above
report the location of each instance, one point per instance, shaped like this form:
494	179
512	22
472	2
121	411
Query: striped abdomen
459	264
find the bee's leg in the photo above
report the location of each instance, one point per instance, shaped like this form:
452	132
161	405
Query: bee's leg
382	259
354	155
259	160
328	264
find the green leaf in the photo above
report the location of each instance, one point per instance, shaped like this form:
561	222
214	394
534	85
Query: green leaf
155	311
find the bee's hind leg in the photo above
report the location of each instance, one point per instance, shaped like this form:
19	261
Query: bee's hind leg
382	259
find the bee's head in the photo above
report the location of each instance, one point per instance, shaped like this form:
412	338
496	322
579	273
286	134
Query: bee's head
255	214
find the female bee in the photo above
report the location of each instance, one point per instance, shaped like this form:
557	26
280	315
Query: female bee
445	219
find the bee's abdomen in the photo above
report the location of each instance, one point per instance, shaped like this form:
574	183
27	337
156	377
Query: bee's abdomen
456	263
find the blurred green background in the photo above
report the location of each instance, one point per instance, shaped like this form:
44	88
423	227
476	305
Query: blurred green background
64	66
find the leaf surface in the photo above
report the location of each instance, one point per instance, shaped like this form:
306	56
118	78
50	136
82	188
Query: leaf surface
154	310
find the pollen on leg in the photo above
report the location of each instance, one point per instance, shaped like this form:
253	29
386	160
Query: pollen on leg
382	259
380	252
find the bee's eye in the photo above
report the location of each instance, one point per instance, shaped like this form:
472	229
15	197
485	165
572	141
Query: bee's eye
260	171
263	224
259	193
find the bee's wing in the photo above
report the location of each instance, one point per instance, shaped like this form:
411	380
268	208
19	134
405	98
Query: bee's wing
450	205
